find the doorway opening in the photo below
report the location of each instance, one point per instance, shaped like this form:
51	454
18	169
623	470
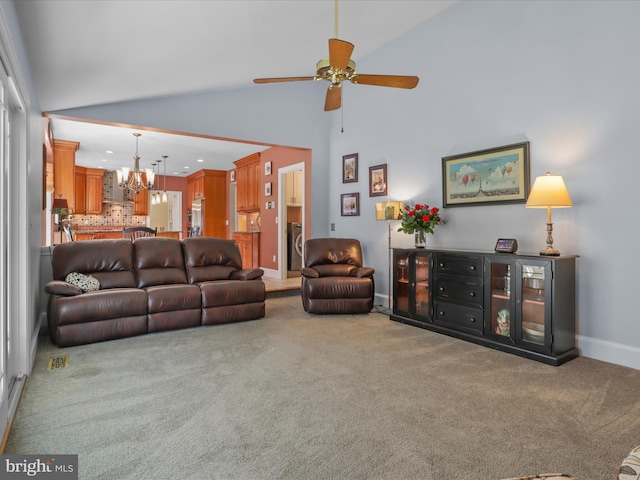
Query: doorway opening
291	211
167	217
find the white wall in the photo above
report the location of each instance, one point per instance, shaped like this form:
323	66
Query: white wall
561	75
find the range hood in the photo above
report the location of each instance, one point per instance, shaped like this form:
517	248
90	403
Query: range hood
112	193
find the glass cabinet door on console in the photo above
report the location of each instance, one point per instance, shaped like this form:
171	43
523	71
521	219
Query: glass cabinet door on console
520	302
411	279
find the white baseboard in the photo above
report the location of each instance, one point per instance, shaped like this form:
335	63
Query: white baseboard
380	299
271	273
611	352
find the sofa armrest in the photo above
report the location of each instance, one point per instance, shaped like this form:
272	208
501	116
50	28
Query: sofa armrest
363	272
309	272
247	274
58	287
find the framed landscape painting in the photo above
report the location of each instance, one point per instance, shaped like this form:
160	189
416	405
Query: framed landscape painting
486	177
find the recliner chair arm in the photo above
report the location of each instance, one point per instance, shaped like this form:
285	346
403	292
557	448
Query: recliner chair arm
309	272
59	287
247	274
362	272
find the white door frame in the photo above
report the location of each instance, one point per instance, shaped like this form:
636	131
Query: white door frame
282	215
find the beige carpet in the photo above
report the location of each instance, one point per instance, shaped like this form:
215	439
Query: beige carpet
296	396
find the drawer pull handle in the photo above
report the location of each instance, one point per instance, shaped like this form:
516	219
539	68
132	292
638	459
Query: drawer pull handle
442	264
472	294
472	320
441	289
441	313
473	267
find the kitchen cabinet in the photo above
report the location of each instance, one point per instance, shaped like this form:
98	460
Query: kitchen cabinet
293	188
521	304
140	202
64	171
249	245
210	186
80	190
196	186
88	190
248	183
93	190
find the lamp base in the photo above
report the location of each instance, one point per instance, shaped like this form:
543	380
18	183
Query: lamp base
550	252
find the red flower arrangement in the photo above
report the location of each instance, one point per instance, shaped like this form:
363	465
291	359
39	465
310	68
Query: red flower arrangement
420	218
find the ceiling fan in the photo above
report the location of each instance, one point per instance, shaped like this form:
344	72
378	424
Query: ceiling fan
339	67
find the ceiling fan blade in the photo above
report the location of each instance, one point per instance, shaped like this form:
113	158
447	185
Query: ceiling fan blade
334	98
339	53
397	81
282	79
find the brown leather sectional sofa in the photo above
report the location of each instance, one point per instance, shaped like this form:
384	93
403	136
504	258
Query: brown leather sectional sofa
149	285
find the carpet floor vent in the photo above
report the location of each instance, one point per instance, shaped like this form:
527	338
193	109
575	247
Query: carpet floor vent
58	362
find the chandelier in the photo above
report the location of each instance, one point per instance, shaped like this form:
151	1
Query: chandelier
135	180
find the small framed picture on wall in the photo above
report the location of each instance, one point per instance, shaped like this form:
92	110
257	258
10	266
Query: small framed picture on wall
267	168
350	204
378	181
233	176
267	189
350	168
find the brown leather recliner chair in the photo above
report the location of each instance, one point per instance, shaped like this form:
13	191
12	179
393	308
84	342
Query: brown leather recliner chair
333	278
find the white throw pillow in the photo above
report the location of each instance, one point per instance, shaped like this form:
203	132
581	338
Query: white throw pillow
86	283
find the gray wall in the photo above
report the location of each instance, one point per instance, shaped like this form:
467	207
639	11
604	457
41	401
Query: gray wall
562	75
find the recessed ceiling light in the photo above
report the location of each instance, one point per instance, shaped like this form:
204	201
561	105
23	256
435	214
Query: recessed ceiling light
200	160
109	151
186	167
104	160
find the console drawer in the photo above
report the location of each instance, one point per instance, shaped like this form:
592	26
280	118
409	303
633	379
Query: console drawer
459	317
462	289
468	266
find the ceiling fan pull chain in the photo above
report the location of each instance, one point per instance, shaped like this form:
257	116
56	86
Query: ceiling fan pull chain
336	21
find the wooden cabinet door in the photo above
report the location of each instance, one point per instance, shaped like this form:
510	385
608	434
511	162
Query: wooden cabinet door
242	189
93	191
253	187
80	190
248	183
141	202
64	171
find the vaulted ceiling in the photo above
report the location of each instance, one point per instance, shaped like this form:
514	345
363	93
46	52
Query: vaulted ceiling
84	53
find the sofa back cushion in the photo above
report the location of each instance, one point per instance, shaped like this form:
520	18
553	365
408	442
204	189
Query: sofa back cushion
333	251
158	261
109	261
209	258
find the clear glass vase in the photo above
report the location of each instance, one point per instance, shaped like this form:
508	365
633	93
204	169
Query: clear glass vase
420	238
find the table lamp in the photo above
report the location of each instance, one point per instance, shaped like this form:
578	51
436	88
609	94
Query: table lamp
549	192
388	211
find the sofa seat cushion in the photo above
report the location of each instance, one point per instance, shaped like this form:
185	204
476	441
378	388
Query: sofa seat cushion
231	292
174	306
99	305
337	287
169	298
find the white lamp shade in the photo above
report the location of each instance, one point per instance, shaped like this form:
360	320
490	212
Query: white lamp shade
549	191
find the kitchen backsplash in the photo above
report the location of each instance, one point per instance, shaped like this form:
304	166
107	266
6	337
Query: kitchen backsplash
117	214
113	214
